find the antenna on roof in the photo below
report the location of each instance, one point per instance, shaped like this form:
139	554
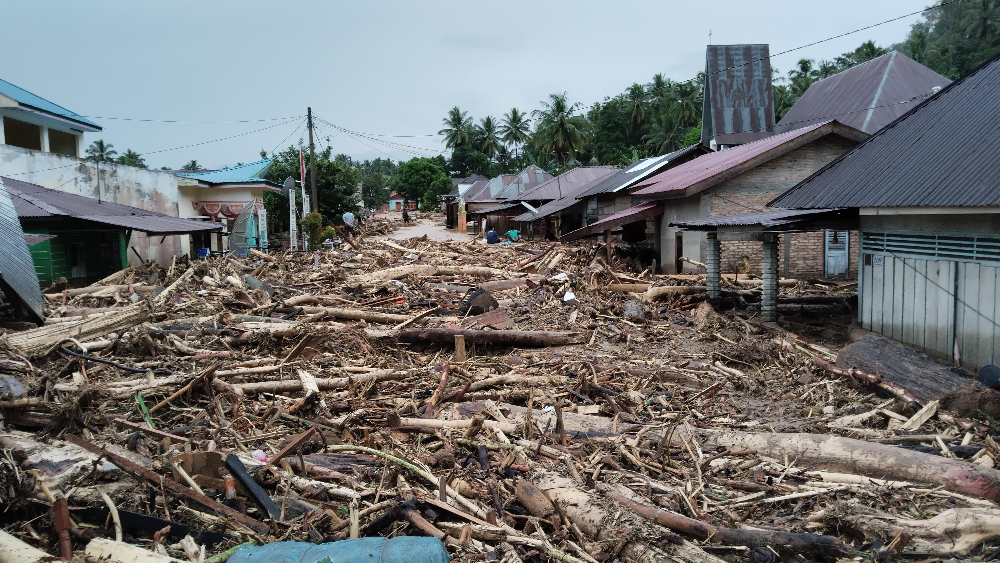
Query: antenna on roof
709	36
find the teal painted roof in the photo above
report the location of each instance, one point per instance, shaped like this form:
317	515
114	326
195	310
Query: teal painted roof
22	96
242	174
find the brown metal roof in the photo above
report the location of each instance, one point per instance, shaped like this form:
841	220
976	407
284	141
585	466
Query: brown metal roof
739	101
569	182
572	192
635	213
867	97
766	220
710	169
943	153
32	201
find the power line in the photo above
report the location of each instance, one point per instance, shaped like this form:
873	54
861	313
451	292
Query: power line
181	121
288	137
217	140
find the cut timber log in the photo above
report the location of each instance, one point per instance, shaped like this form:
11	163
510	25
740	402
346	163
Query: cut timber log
91	289
358	315
42	339
527	338
628	287
161	299
655	293
810	543
883	461
13	550
329	384
394	273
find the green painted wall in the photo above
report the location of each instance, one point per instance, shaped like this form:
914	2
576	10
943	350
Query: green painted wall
99	250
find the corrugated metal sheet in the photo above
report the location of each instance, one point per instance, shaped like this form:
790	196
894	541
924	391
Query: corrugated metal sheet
22	96
571	198
244	174
473	190
32	201
867	97
567	183
943	153
33	239
635	213
765	219
526	180
739	101
640	169
710	169
18	278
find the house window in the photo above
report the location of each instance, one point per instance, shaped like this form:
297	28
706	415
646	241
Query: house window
62	143
21	134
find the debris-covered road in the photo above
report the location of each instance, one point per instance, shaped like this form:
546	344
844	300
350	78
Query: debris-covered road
528	402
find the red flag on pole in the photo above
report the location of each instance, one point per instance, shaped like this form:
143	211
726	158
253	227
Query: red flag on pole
302	168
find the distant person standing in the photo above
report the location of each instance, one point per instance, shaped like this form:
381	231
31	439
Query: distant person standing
349	223
406	217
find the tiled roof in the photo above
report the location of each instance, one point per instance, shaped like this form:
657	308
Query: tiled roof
26	98
32	201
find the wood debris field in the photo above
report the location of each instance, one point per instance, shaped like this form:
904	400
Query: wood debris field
526	402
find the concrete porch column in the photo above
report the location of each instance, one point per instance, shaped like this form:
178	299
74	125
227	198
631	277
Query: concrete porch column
769	289
712	261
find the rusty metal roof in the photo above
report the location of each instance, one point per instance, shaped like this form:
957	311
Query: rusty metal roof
635	213
18	278
739	102
571	198
867	97
32	201
710	169
567	183
764	219
525	180
943	153
641	169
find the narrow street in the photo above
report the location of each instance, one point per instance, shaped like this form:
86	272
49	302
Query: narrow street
433	228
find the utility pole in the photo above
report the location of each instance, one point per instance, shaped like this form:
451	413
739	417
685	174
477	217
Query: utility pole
312	163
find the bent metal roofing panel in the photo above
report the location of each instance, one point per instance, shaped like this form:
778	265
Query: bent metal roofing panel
18	278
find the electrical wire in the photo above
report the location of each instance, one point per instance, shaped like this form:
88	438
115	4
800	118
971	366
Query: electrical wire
288	137
217	140
180	121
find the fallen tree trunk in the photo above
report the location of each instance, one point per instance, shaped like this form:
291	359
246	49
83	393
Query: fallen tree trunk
13	550
628	287
811	543
91	289
527	338
655	293
326	384
954	531
39	340
394	273
829	452
358	315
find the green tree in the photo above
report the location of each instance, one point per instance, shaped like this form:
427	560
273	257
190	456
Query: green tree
457	127
659	89
132	158
466	160
489	139
693	136
376	177
983	16
560	132
666	133
99	151
336	184
417	176
515	128
192	166
688	101
636	95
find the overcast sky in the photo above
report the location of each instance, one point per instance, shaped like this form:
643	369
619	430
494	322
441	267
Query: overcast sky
382	67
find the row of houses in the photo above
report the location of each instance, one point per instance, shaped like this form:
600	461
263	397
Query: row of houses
87	219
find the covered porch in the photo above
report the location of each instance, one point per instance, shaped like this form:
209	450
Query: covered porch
765	227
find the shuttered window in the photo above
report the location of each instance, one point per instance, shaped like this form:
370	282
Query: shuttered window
970	248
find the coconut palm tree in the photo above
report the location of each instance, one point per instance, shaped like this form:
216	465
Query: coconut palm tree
457	127
983	16
560	132
99	151
636	96
659	89
192	166
132	158
666	132
688	102
489	143
515	128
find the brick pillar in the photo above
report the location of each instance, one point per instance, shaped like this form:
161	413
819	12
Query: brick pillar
769	297
714	257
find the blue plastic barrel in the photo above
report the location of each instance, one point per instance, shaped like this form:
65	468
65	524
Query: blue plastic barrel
401	549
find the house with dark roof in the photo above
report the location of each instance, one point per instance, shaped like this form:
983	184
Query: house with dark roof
744	179
31	122
866	97
86	239
739	102
925	191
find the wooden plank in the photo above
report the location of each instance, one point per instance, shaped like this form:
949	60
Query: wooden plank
170	484
151	431
293	445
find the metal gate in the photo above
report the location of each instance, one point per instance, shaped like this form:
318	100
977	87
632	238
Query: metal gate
836	253
937	292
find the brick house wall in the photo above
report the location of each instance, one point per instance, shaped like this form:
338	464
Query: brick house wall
800	255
